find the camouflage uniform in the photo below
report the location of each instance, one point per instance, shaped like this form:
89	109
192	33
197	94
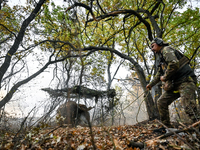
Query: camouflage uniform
184	84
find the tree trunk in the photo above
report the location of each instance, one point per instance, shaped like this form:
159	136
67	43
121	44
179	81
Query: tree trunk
150	105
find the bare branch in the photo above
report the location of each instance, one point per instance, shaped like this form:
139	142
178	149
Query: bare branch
82	5
18	39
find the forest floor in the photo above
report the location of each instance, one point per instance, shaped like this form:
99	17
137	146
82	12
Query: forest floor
127	137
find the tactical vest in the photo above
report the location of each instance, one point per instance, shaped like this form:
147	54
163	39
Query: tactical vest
184	69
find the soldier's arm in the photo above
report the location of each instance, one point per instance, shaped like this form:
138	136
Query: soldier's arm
156	79
172	61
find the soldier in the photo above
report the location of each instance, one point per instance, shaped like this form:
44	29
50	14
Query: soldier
178	78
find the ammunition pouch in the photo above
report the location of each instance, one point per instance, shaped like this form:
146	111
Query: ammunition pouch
168	85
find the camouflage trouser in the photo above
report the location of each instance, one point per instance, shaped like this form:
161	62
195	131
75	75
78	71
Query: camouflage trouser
186	92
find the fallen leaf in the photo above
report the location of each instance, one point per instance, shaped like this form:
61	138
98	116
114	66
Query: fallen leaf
118	147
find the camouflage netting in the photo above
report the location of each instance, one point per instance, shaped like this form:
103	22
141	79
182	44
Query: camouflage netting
81	91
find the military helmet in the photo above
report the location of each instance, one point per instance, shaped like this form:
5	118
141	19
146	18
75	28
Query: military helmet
159	41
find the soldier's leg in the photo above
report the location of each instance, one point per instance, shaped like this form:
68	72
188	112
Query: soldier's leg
163	103
187	91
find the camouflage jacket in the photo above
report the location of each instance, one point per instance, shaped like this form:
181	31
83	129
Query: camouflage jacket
170	66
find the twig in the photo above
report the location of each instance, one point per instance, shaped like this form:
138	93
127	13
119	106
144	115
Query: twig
114	147
16	139
43	139
21	127
127	106
92	136
190	133
193	125
140	106
179	131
